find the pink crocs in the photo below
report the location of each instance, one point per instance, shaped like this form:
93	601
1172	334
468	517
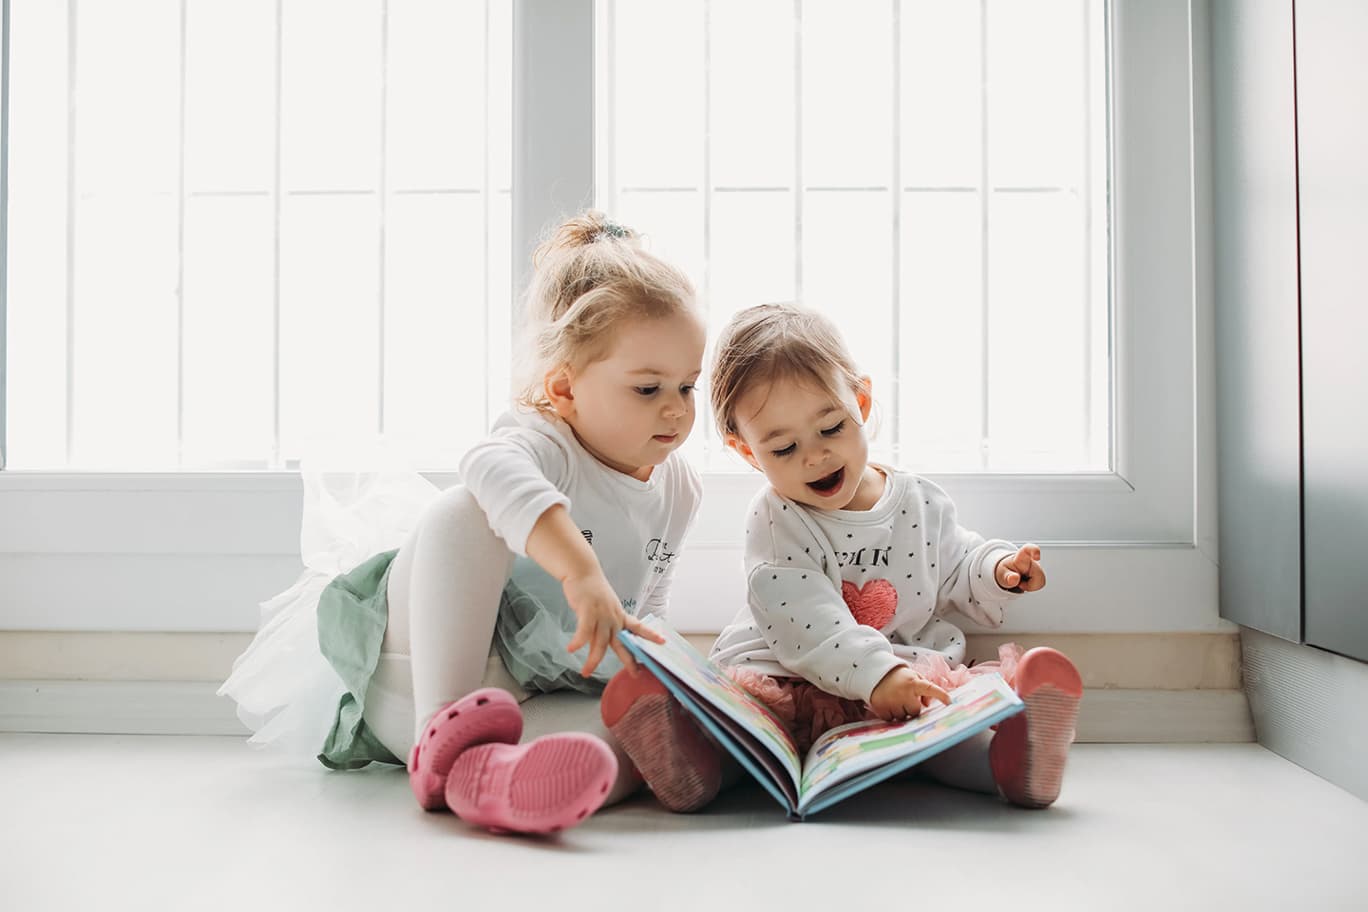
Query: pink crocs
487	715
548	785
1029	750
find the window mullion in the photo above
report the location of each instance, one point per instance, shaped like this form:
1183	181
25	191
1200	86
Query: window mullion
985	191
553	117
895	245
608	93
487	192
180	248
711	442
1085	213
382	212
4	222
277	460
70	231
798	151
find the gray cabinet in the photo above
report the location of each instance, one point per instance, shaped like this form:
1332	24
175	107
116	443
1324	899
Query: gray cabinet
1289	106
1332	143
1254	173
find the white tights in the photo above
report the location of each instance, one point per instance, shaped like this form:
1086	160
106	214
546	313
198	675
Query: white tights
443	595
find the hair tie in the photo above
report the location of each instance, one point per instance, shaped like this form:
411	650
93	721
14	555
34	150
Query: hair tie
613	229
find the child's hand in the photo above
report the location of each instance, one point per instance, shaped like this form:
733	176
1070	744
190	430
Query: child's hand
1021	572
902	693
600	618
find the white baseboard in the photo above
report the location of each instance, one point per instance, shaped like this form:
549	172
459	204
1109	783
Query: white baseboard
1164	716
117	707
192	708
1111	661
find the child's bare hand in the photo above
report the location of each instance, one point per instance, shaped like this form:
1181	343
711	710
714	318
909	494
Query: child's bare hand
1021	570
600	618
902	694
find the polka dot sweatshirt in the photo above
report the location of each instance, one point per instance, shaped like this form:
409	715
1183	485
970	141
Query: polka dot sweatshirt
841	597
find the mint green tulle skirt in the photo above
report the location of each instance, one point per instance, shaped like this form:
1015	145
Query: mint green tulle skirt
302	683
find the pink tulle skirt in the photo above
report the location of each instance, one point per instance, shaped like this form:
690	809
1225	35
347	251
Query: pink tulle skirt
808	712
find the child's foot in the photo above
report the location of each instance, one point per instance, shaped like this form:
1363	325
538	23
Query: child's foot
676	759
542	787
487	715
1029	750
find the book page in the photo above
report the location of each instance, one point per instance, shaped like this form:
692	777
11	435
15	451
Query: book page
844	753
711	686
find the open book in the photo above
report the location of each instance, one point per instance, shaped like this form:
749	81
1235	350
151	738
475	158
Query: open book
843	761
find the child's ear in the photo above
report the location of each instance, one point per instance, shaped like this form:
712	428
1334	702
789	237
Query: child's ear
740	446
864	397
560	392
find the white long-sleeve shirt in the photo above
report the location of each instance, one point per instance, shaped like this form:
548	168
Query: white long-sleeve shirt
530	463
841	597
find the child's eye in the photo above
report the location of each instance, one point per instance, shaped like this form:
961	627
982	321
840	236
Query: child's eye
786	451
687	388
647	390
834	429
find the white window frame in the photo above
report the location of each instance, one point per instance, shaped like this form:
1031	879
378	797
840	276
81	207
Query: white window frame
1128	550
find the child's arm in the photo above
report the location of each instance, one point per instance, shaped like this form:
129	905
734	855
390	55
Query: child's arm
968	564
557	545
516	478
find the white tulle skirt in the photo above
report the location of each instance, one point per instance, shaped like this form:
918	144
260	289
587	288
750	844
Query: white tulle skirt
286	691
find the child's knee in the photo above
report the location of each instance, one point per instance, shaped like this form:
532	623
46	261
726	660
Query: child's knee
455	523
454	508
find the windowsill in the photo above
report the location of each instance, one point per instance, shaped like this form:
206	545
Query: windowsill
260	512
47	480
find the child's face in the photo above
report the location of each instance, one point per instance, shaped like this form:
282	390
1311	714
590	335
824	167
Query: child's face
810	445
633	407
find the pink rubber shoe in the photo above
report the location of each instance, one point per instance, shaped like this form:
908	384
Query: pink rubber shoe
487	715
548	785
679	763
1029	750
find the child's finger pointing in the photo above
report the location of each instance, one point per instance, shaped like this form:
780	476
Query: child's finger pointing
640	629
931	690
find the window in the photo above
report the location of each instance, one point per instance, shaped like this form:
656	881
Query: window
932	175
361	249
238	227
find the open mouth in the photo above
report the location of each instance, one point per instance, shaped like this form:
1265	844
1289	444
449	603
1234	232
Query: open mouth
828	484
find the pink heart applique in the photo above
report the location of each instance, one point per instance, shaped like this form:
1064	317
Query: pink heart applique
874	604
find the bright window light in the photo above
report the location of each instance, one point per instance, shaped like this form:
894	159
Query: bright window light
240	228
933	175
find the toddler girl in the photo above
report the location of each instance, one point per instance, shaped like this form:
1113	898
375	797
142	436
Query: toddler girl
496	619
852	568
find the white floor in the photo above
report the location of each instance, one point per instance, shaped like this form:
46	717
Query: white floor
180	823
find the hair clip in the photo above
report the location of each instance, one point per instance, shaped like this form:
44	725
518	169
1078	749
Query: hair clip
613	229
